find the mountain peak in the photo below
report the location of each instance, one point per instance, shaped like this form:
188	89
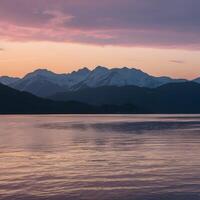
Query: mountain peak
101	68
39	72
43	71
83	70
6	80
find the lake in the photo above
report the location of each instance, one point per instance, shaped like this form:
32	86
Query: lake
100	157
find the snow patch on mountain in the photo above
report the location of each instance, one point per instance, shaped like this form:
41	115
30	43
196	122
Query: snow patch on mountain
6	80
48	82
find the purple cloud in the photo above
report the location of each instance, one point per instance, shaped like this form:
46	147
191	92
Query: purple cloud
172	23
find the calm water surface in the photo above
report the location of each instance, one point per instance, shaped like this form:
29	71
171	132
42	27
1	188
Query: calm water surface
96	157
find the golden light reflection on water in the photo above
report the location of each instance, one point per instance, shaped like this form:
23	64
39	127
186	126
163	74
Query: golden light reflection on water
100	157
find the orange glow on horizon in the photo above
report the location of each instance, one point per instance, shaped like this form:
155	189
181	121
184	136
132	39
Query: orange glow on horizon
18	58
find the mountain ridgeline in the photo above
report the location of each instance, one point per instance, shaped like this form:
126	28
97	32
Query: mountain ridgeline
98	91
44	83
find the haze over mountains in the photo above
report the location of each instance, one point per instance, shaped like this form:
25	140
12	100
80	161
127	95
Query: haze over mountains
44	83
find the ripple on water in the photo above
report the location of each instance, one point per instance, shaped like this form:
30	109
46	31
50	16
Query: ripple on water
100	157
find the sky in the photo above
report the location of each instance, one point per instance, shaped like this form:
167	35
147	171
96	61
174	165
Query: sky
157	36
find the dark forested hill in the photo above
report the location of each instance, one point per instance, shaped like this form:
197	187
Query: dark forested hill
170	98
16	102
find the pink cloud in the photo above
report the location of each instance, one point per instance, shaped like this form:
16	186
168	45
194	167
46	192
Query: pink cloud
173	23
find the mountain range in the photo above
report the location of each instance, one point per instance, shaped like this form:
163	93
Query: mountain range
44	83
99	91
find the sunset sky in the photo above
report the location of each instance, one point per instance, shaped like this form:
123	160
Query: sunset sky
161	37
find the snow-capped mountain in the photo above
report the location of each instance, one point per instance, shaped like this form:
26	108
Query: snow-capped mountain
60	79
6	80
197	80
102	76
45	83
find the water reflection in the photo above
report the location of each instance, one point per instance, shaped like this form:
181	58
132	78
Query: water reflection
100	157
132	127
